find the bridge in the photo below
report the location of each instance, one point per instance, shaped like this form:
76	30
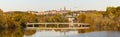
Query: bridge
57	26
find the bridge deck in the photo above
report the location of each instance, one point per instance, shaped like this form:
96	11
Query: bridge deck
79	26
58	23
59	28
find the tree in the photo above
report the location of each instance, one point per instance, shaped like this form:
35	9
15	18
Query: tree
1	11
118	8
118	11
2	19
81	18
111	10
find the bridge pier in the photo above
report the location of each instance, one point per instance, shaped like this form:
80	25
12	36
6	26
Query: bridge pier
45	25
57	25
69	25
33	25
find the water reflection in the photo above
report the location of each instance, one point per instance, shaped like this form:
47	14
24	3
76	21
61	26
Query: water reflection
29	32
18	32
12	32
52	33
74	33
97	34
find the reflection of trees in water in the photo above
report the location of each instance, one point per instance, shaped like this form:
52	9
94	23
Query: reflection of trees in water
83	30
11	32
18	32
29	32
67	30
64	30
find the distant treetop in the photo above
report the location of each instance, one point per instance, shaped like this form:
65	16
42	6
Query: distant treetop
1	10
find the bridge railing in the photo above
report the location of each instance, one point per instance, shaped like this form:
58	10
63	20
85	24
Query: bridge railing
58	25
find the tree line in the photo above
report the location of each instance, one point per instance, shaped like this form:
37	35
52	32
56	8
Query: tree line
108	20
19	19
99	20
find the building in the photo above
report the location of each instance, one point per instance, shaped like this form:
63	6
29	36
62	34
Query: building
51	12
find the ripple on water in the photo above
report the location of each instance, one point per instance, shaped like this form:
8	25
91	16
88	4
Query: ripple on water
97	34
75	34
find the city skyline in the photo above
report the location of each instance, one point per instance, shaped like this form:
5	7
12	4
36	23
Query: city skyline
43	5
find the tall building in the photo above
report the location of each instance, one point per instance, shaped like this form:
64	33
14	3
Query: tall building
64	8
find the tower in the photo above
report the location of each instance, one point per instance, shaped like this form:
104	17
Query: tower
64	8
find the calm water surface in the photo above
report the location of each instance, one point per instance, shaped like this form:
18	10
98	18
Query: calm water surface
55	33
52	33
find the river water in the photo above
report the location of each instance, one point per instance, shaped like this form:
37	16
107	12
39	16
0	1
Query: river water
55	33
52	33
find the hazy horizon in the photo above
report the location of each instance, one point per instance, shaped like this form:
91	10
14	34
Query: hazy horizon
42	5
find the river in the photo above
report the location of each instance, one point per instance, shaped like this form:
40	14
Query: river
55	33
52	33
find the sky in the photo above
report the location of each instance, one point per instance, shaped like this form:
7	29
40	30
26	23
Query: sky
42	5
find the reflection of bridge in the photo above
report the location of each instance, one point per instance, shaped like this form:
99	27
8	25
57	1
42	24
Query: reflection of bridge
57	26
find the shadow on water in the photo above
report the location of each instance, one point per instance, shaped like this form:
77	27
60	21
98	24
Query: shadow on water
11	32
29	32
17	32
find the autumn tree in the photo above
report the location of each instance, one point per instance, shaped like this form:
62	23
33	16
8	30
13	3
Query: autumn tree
81	18
2	19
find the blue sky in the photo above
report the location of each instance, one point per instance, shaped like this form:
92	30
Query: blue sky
41	5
